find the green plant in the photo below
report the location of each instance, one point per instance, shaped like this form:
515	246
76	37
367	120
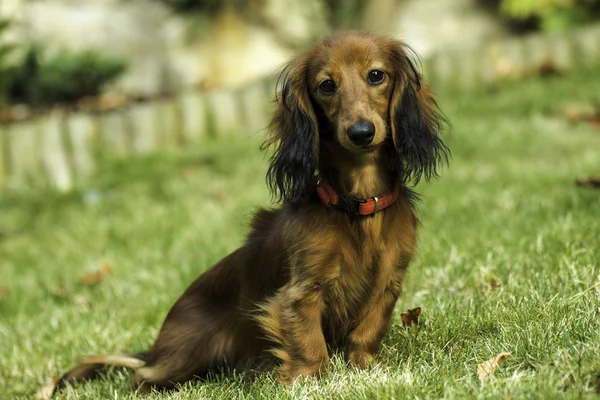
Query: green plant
207	6
553	15
6	50
21	85
69	77
64	78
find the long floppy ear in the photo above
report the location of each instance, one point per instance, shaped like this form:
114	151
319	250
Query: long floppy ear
293	132
416	123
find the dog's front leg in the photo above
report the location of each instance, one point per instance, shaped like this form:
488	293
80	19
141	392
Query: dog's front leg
363	342
303	352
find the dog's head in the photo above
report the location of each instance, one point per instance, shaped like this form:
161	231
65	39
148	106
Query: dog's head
359	91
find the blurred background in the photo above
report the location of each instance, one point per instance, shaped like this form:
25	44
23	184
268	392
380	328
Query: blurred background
150	47
127	77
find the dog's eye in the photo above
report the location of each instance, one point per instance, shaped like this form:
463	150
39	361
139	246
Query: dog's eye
327	87
376	76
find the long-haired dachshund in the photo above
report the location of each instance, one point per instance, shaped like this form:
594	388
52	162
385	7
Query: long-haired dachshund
354	128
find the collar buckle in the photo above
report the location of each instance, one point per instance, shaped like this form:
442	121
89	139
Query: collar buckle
350	205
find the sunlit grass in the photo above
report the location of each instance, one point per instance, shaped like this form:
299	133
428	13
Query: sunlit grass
506	209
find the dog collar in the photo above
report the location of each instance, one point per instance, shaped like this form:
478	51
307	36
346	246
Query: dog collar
353	205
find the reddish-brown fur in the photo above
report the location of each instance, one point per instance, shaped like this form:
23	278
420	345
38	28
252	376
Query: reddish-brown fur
309	277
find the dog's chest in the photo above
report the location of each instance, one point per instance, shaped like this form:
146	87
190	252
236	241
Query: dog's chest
364	268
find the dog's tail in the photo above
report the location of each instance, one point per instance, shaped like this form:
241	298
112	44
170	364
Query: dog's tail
91	366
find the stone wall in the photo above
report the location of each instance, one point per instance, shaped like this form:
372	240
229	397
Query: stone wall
431	26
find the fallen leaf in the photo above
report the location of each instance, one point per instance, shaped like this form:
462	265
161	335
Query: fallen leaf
591	182
576	112
61	291
46	391
219	196
494	283
411	317
580	112
487	368
548	68
94	278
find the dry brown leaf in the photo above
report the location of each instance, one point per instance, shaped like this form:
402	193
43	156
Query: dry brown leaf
591	182
494	283
576	112
487	368
219	196
46	391
61	291
580	112
411	317
94	278
548	68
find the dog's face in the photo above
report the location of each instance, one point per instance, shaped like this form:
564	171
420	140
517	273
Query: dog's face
363	90
351	82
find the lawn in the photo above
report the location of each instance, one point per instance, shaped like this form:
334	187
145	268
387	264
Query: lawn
506	211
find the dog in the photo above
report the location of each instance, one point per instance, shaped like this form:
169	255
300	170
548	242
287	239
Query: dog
354	129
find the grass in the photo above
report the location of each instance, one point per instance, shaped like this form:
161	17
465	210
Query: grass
505	210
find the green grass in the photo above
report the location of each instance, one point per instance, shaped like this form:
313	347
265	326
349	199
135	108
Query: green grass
506	209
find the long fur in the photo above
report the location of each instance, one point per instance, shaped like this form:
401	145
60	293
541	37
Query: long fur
420	148
294	161
311	278
417	124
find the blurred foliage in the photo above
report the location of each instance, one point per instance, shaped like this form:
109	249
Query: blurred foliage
38	81
210	6
341	14
64	78
552	15
345	14
6	50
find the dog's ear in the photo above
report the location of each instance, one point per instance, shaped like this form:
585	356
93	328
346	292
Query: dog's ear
293	133
416	122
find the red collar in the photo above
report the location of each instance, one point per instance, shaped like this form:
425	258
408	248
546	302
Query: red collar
353	205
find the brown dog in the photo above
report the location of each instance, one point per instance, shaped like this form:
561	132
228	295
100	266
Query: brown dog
353	120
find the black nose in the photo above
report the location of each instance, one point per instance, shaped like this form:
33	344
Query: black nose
361	133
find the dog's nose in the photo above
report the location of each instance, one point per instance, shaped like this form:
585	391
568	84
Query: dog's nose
361	133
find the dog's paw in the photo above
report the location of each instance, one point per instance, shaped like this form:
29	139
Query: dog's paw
290	372
361	359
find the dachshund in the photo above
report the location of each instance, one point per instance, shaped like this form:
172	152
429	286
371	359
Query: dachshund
354	129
